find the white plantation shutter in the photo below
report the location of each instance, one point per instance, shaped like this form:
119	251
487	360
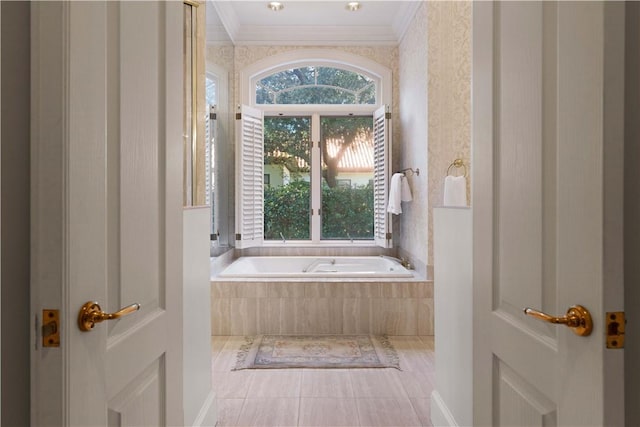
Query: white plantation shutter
381	175
249	178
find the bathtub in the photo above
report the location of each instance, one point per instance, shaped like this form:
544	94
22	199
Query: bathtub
315	267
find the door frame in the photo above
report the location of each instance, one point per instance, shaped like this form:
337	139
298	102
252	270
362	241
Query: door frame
483	200
48	218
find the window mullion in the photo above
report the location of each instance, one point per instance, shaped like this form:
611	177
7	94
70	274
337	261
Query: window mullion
316	179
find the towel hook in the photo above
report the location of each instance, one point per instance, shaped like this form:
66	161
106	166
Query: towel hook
457	163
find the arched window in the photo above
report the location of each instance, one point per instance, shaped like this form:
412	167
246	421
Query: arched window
302	78
316	85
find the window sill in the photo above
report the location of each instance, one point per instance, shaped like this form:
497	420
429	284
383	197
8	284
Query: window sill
322	244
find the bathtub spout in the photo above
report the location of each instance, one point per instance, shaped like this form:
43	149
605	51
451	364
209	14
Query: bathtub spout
406	264
402	261
349	236
315	263
283	239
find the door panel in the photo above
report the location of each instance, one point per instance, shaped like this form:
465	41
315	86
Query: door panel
140	402
521	404
136	200
518	148
539	229
118	69
138	354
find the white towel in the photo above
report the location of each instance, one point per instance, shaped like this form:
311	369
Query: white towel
395	194
455	191
406	191
399	191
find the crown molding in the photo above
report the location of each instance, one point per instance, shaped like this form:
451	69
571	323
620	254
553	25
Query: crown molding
403	20
228	17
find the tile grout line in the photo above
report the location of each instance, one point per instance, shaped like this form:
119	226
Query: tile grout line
355	401
300	398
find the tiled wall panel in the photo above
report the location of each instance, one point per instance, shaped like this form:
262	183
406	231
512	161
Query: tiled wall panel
393	308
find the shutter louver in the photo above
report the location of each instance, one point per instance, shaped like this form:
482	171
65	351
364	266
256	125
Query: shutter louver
250	175
381	176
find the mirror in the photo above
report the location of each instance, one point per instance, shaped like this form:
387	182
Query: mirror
194	138
189	98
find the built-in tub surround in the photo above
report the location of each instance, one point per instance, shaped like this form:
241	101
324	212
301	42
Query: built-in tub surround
329	305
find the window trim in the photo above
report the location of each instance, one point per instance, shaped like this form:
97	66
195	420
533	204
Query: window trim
315	199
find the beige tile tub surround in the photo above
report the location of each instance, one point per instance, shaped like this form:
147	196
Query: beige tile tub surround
392	308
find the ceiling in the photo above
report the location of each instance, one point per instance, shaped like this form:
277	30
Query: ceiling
308	22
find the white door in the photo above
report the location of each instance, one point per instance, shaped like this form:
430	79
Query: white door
107	225
547	210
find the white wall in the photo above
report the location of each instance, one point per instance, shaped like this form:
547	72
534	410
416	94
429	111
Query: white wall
412	224
15	213
199	405
452	399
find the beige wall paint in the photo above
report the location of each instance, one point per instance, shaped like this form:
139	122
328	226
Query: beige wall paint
201	105
449	88
199	162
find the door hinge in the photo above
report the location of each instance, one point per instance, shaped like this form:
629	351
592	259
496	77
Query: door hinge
389	236
238	116
50	328
238	236
615	329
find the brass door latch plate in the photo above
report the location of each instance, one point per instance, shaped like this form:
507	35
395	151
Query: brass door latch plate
50	328
615	329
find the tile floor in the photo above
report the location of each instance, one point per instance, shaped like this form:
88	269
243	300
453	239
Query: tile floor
325	397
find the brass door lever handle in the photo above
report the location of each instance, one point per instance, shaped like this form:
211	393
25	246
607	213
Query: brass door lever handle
577	318
91	313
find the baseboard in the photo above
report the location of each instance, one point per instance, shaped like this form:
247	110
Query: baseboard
440	414
207	416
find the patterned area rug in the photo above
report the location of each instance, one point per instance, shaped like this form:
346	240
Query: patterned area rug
316	351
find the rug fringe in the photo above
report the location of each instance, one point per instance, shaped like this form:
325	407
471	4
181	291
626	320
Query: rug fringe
243	352
390	353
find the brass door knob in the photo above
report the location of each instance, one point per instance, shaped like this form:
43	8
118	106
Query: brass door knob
91	313
577	318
